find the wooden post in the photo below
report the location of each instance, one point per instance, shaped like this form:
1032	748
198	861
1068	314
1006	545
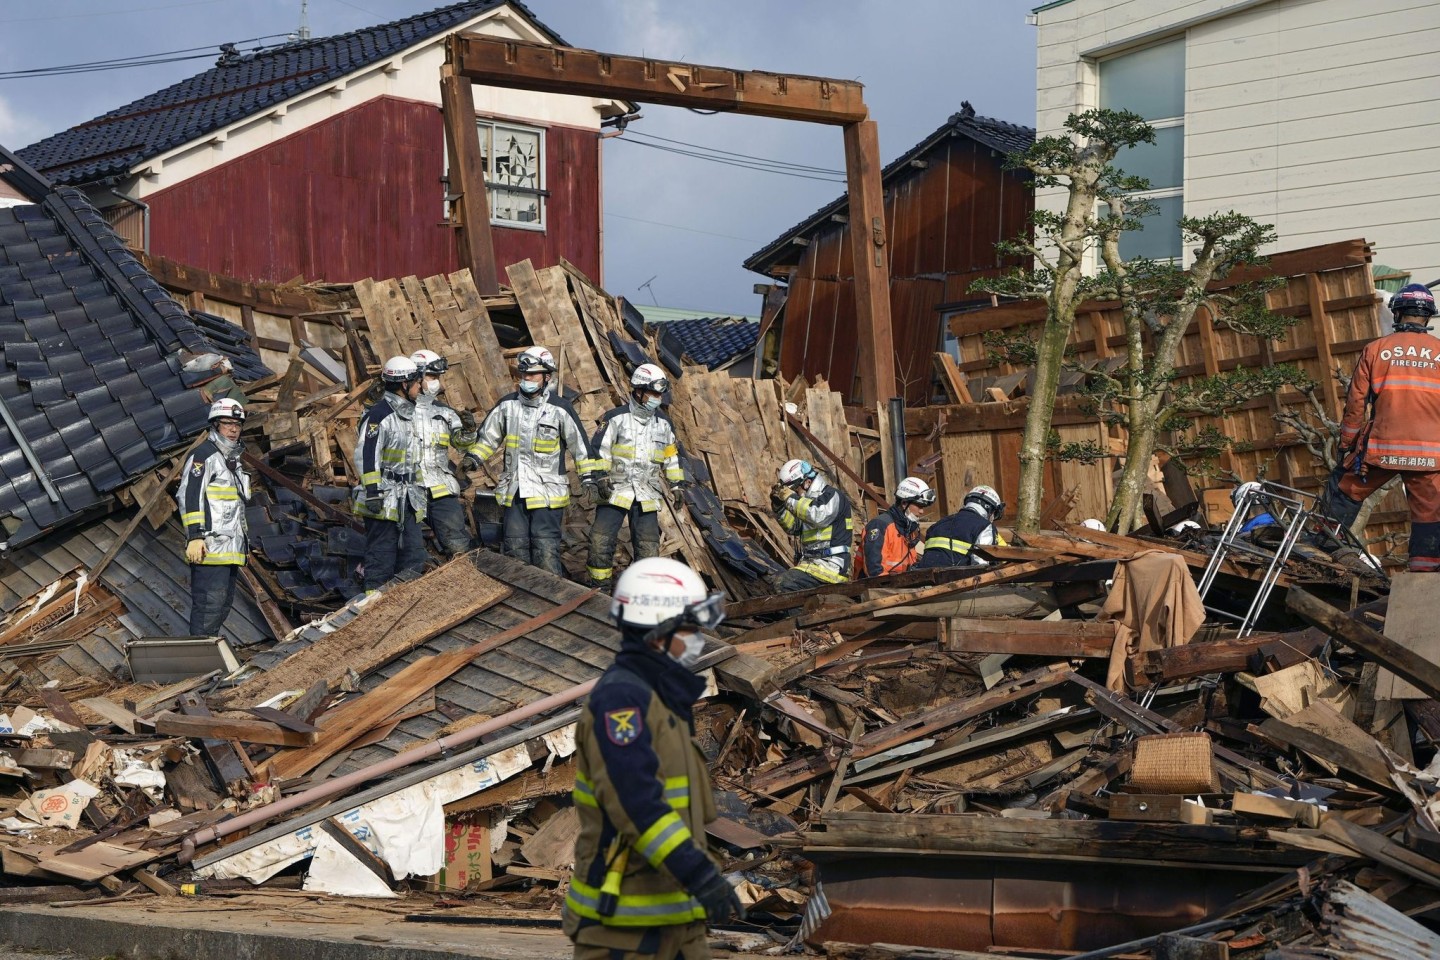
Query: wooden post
470	210
876	356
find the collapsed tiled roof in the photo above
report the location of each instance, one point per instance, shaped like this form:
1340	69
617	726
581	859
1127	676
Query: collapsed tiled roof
998	135
89	367
712	341
239	86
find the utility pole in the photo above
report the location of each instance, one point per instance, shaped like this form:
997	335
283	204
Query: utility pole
304	31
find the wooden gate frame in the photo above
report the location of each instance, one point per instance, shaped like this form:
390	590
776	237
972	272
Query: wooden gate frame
517	64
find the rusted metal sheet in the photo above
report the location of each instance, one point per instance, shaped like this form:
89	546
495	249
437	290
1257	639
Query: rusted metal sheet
974	904
359	195
1355	925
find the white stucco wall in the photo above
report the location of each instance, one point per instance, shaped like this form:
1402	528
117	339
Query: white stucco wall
413	74
1319	116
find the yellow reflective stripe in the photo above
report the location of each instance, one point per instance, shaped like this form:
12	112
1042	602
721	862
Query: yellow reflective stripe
545	446
192	518
584	792
535	503
677	792
512	441
622	450
621	500
634	910
601	465
372	477
946	543
662	838
821	572
674	474
439	490
600	574
484	451
589	466
802	506
223	559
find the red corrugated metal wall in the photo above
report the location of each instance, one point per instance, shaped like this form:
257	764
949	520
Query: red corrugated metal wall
942	223
359	195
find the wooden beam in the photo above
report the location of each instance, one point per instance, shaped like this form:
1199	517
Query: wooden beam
517	64
1402	662
267	297
229	728
470	206
1040	638
838	462
871	260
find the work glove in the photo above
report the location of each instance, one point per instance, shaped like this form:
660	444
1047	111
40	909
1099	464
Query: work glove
470	462
718	898
605	489
779	496
195	550
587	490
468	421
677	496
375	506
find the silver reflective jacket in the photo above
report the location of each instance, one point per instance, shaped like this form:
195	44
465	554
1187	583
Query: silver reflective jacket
438	430
535	433
389	459
212	495
635	445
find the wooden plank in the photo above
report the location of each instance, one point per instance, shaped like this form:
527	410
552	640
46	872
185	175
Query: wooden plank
229	728
1044	638
1322	732
60	708
951	379
228	763
548	68
1407	622
114	713
1324	335
1404	663
470	203
492	377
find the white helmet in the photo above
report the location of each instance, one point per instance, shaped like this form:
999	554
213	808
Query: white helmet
795	471
1093	524
399	370
987	498
430	362
647	376
665	594
913	489
536	359
1238	494
226	409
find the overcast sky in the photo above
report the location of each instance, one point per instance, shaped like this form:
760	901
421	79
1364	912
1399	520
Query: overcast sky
688	223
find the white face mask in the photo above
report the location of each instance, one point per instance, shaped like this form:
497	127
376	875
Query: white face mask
694	647
530	387
432	387
653	403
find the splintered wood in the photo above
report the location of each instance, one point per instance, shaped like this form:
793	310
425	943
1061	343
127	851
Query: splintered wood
401	619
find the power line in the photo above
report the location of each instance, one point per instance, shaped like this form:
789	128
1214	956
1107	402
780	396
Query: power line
729	153
676	226
121	63
743	164
109	13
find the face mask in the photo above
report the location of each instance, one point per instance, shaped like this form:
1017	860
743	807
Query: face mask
694	647
530	387
432	387
652	403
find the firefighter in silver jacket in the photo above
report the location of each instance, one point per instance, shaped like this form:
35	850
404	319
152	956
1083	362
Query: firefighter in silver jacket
213	492
634	444
389	497
439	428
535	429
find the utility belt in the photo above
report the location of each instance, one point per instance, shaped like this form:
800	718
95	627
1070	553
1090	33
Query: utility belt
398	476
815	553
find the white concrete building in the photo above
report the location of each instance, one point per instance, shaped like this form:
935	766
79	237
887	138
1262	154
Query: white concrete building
1319	116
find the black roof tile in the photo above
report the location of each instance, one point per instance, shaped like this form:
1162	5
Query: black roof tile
710	341
236	87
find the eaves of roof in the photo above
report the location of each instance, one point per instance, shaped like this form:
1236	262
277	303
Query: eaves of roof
998	135
111	145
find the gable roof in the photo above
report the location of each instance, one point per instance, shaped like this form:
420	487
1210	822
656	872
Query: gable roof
238	86
90	379
998	135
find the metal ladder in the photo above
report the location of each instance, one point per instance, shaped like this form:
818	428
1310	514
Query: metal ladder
1289	508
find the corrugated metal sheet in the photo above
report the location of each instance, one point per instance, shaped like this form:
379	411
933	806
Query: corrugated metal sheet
149	575
1356	926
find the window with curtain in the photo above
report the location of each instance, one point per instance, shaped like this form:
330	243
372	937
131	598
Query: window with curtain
1151	82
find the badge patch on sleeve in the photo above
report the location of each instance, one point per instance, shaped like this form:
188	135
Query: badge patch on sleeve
198	469
875	534
623	726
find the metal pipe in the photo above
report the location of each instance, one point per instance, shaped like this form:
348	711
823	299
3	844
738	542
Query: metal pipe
28	452
897	439
144	217
329	788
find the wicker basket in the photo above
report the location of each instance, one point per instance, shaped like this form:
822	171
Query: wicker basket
1174	763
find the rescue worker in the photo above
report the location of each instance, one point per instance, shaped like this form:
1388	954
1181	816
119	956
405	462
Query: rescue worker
536	429
820	516
889	542
214	489
634	443
644	882
439	429
389	497
950	542
1392	426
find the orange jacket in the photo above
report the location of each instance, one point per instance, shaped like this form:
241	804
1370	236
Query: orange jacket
888	545
1398	379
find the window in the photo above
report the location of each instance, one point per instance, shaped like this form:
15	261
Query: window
514	159
1151	82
